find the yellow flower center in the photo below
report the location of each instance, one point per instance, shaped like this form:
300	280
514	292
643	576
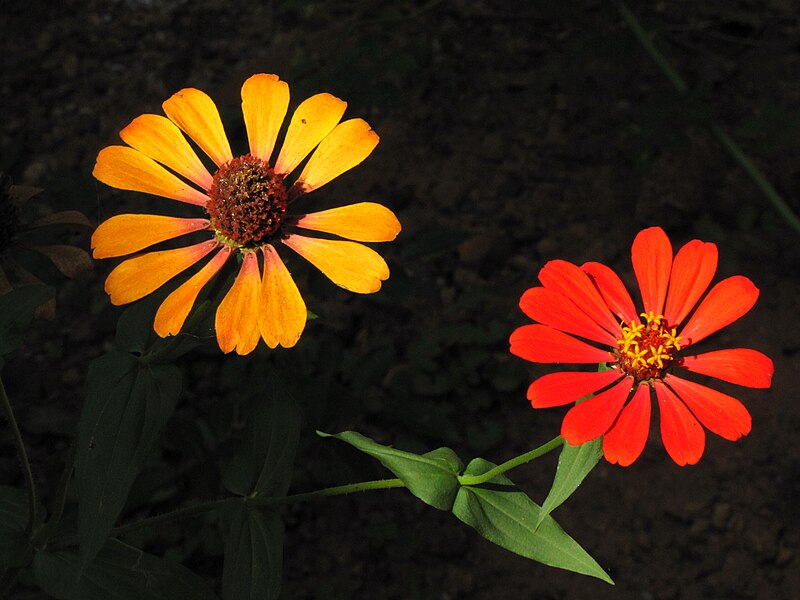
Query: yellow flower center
247	202
646	350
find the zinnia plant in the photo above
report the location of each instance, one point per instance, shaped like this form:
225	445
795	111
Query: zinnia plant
641	351
247	205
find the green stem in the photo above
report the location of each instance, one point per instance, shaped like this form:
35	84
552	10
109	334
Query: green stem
556	442
339	490
730	146
23	458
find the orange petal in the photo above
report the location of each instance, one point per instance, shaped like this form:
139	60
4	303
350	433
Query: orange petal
128	169
282	312
196	114
265	100
651	255
692	271
613	290
173	311
722	414
626	439
312	121
683	437
158	138
742	366
346	146
139	276
725	303
348	264
126	234
237	316
362	222
590	419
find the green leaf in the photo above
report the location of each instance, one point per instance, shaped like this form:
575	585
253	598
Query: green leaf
135	326
263	463
574	464
253	566
17	308
506	516
120	572
431	477
127	404
15	551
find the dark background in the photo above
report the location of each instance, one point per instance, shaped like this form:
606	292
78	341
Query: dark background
511	134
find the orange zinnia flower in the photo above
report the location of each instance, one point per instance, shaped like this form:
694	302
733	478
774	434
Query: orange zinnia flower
246	204
591	302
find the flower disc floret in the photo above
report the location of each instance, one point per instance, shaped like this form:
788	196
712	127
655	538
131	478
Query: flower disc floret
646	350
247	201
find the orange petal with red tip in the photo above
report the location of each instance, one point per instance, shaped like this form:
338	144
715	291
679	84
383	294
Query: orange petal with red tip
651	255
742	366
160	139
311	122
362	222
624	443
592	418
348	264
282	312
572	282
197	115
692	272
727	301
265	100
236	321
543	344
683	437
173	311
126	234
139	276
552	308
342	149
720	413
128	169
557	389
612	290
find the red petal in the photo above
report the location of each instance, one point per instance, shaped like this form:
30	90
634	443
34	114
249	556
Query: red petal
720	413
626	440
742	366
725	303
552	308
557	389
613	291
593	417
569	280
651	255
683	437
692	271
543	344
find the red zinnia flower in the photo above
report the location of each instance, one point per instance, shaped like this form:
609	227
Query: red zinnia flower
591	302
245	210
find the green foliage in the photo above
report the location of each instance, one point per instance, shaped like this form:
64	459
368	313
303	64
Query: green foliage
507	517
263	463
14	546
17	309
431	477
574	464
253	553
120	572
127	404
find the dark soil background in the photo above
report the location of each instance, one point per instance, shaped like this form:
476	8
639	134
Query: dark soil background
511	134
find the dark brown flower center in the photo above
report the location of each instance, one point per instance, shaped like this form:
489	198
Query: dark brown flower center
247	201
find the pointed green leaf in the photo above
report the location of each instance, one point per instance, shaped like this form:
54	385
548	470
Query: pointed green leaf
263	463
253	566
127	404
120	572
506	516
574	464
17	308
15	550
431	477
135	326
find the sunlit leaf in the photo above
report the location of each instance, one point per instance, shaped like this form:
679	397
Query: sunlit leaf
120	572
431	477
127	404
574	464
253	564
506	516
